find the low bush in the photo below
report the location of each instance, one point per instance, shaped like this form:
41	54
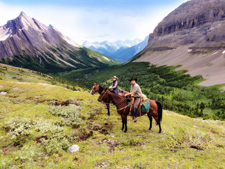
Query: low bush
185	139
70	113
51	137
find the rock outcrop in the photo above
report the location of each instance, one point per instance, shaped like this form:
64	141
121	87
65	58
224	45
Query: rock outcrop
197	22
193	37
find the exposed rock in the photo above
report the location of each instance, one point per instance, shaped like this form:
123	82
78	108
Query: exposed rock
73	149
193	37
3	93
199	22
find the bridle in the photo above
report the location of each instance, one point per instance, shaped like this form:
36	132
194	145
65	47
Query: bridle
94	90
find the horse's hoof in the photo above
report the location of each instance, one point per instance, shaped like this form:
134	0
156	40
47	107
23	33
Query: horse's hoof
150	128
159	131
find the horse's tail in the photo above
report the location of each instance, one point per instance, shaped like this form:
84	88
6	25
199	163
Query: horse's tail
159	112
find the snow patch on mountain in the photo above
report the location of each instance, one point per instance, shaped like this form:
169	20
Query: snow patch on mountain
119	50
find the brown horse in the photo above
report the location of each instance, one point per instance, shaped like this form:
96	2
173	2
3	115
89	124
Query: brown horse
98	88
123	108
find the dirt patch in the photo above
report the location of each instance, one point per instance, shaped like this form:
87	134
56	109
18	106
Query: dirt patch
104	131
84	134
112	144
213	131
102	165
97	127
196	147
75	159
38	139
7	149
65	103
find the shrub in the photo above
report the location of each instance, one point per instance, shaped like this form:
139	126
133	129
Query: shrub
185	139
18	129
140	165
70	113
129	141
5	89
21	129
54	145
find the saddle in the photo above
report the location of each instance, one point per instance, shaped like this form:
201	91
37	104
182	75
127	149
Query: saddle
120	92
144	104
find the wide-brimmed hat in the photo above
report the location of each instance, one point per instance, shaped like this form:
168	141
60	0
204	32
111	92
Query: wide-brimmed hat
115	77
133	78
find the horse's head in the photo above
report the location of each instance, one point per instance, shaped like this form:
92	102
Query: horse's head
104	96
95	88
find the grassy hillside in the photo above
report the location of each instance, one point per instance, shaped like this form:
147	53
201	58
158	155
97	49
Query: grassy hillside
68	60
174	89
39	121
11	73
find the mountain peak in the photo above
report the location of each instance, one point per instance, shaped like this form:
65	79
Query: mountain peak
23	15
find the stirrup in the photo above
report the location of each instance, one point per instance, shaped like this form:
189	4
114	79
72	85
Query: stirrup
135	119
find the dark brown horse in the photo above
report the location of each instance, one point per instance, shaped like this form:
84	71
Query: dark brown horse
123	108
97	88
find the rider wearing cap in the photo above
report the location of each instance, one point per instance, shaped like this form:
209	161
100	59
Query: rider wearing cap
136	92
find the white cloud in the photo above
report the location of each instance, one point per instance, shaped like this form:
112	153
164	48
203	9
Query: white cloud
98	24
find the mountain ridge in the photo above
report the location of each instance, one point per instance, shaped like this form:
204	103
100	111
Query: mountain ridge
33	45
119	50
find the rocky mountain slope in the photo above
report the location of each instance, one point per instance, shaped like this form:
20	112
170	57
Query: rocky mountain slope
26	42
192	36
119	50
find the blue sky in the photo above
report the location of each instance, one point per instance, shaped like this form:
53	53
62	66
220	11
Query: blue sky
93	20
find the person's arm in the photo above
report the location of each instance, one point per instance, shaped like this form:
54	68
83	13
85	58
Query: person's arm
131	93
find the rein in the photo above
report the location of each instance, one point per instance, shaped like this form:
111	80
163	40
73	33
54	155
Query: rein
120	104
100	99
103	95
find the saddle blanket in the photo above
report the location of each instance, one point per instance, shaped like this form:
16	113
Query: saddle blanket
145	107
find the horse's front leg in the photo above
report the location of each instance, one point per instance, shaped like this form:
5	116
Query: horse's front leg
107	107
150	119
125	125
124	118
122	123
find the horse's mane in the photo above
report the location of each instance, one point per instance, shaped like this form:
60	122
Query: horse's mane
100	89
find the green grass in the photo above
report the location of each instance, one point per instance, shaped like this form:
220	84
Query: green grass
184	143
39	121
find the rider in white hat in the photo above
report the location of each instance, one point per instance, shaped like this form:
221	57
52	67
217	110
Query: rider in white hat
114	85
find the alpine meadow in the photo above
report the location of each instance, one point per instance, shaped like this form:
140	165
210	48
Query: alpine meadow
59	100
